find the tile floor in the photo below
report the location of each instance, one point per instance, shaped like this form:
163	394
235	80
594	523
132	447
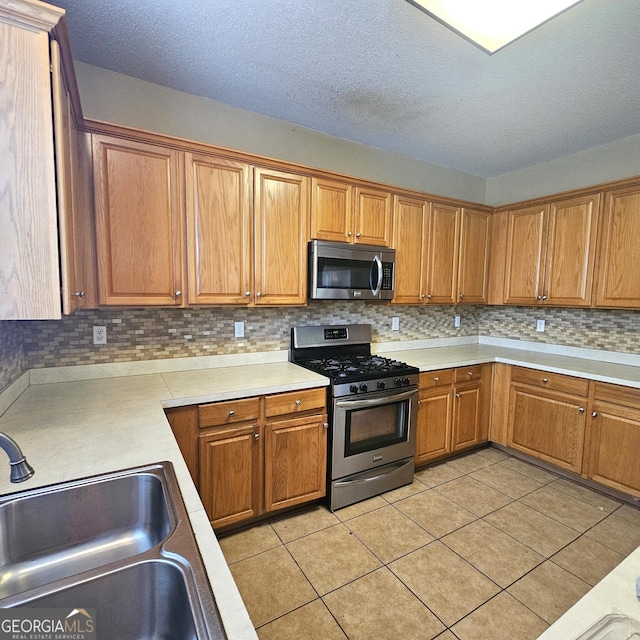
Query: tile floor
483	547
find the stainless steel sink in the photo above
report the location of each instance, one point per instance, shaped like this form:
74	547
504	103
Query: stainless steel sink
120	543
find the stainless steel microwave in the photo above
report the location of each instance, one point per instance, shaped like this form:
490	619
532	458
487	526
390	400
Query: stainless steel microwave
339	271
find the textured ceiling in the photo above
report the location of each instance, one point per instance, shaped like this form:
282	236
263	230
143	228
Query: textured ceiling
383	73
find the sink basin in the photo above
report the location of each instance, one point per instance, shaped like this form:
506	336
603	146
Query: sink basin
52	533
150	600
120	544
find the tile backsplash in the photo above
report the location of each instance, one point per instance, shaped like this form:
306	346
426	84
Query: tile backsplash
143	334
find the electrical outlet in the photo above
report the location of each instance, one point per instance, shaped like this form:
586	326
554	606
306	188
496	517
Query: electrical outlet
456	321
99	335
395	323
238	329
540	325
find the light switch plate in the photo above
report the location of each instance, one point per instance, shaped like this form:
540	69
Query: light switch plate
395	323
540	325
456	321
238	329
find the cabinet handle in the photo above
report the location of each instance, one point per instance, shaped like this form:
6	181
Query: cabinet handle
232	413
436	379
594	414
177	294
256	436
457	395
581	409
298	403
79	294
358	235
325	425
545	380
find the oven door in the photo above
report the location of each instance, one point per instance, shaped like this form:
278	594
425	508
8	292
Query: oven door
373	431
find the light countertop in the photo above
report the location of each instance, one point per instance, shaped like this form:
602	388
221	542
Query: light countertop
73	424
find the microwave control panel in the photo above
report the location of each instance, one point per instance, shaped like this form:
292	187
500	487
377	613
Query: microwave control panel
387	276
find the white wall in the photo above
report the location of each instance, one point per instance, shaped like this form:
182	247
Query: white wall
121	99
613	161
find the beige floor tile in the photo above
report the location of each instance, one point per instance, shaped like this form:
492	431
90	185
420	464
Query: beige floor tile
492	455
529	470
471	462
629	513
503	479
588	560
249	542
359	508
438	474
493	552
594	498
448	585
311	622
446	635
332	557
389	533
379	606
617	534
437	514
535	530
549	591
502	618
271	584
564	508
404	492
473	495
303	523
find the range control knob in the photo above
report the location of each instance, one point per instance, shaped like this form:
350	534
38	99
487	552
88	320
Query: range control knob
381	384
405	382
353	388
397	382
363	387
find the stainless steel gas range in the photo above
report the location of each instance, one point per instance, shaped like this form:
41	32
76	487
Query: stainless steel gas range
373	408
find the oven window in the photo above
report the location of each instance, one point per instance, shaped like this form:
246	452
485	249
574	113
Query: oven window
338	273
375	427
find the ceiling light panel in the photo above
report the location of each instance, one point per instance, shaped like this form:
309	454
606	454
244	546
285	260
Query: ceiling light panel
492	24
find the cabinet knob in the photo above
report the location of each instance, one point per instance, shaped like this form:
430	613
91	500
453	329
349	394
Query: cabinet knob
232	413
349	234
429	296
256	436
538	297
298	403
457	395
177	294
325	425
436	379
79	294
358	235
461	296
423	296
594	414
545	380
247	293
259	294
544	298
470	374
581	409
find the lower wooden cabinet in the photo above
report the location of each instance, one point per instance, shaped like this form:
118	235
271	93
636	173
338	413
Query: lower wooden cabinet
453	411
547	416
255	455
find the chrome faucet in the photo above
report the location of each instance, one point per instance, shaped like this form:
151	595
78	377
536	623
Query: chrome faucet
21	470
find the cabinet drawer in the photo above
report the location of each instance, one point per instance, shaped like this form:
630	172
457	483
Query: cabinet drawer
468	374
616	394
218	413
554	381
295	402
440	378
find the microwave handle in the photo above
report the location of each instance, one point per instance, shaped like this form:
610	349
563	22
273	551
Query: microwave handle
378	286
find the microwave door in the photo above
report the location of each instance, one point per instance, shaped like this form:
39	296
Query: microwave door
376	266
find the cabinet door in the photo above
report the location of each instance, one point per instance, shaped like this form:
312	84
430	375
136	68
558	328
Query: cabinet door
138	223
219	236
570	255
467	415
372	217
410	220
473	271
442	269
281	235
618	281
613	448
331	210
29	270
525	254
549	426
433	435
295	461
230	474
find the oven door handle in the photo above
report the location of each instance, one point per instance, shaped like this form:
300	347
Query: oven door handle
396	397
375	291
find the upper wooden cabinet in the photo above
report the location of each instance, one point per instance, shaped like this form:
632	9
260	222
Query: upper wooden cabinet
219	230
139	232
550	252
343	213
618	280
281	213
442	253
29	264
